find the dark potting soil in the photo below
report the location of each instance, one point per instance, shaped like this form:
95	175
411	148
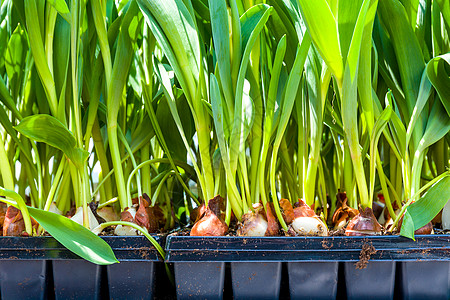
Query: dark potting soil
366	252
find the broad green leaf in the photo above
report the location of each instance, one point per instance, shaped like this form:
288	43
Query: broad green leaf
407	229
352	58
426	208
61	55
75	237
438	71
220	30
411	7
321	24
424	94
397	128
407	49
61	8
437	127
175	30
35	36
15	58
47	129
444	5
367	55
347	16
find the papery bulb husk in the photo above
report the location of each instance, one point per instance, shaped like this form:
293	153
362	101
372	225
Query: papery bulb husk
343	213
197	213
306	222
287	211
142	218
156	216
273	228
121	230
128	215
54	209
14	224
3	208
108	214
427	229
363	224
78	217
211	222
303	210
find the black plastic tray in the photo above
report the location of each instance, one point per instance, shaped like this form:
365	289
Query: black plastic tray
42	265
289	249
390	272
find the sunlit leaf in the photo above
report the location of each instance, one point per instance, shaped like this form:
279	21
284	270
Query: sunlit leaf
426	208
75	237
47	129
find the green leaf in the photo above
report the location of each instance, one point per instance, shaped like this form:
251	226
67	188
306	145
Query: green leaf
175	31
321	24
218	117
438	71
252	23
407	226
437	127
426	208
407	49
61	8
3	40
75	237
47	129
422	99
219	24
15	58
378	128
444	5
40	60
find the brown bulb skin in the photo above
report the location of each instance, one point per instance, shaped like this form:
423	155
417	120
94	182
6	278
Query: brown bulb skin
363	224
427	229
211	223
272	223
303	210
3	208
142	218
14	224
343	212
287	211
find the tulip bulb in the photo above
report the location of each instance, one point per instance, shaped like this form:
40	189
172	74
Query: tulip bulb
211	223
306	222
364	223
